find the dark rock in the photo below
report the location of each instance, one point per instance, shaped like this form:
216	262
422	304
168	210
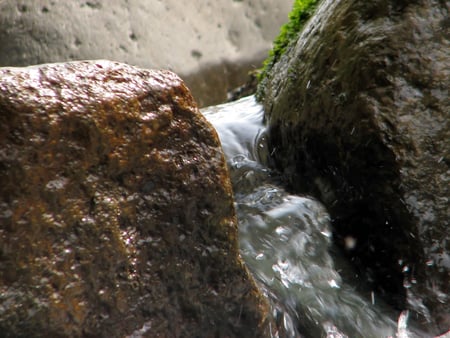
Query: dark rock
116	211
359	116
247	89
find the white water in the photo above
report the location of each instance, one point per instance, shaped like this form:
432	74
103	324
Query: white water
286	241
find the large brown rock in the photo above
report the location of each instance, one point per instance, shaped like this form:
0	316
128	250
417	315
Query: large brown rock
359	116
116	211
211	44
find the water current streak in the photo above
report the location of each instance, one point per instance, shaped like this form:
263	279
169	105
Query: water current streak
285	240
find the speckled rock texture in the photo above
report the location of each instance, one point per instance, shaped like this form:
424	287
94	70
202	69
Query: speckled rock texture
210	44
116	211
359	116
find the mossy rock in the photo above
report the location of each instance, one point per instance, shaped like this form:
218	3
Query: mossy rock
358	116
302	10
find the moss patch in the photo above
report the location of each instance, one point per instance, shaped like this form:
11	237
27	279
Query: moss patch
301	12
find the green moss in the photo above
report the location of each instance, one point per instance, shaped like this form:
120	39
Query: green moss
301	12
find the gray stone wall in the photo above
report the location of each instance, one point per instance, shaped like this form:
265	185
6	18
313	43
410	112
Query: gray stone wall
210	44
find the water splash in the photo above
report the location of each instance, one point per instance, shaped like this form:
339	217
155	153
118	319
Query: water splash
285	239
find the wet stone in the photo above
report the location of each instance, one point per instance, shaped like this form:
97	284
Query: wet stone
116	211
358	116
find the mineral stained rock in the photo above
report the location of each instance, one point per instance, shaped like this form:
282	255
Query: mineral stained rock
359	114
116	211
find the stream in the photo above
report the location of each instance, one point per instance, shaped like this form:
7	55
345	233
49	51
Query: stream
286	242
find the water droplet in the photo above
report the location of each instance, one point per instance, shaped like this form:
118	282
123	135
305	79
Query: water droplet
350	242
333	284
327	233
260	256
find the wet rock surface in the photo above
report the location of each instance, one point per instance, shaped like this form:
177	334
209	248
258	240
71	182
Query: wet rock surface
358	113
210	44
116	211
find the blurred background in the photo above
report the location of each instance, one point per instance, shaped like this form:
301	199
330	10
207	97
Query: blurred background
212	45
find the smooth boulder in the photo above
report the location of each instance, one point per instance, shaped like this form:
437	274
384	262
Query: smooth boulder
358	116
116	210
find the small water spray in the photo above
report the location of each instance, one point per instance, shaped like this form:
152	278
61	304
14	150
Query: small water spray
402	330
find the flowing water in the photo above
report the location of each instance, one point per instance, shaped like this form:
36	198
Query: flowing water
286	242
